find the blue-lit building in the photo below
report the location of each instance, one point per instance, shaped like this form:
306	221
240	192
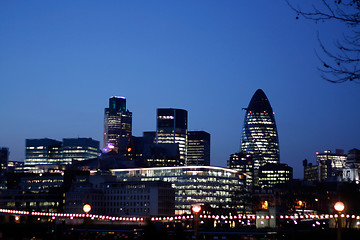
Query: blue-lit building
260	136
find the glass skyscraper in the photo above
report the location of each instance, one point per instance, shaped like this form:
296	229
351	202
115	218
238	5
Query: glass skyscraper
171	128
260	137
117	124
198	148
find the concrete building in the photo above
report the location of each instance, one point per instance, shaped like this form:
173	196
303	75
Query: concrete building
331	165
130	198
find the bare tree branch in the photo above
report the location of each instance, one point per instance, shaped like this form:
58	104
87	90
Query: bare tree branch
343	63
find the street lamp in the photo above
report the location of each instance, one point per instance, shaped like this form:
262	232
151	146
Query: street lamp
86	209
196	209
339	207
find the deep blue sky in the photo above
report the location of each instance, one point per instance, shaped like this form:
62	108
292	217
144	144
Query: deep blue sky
60	61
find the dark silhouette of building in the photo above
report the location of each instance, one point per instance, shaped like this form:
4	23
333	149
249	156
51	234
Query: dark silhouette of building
260	137
244	163
4	158
198	148
171	128
310	171
117	125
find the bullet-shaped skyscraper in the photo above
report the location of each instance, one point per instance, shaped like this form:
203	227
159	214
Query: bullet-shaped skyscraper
117	124
260	136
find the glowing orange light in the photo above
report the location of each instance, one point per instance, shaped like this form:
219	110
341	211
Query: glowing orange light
265	205
196	208
339	206
129	149
87	208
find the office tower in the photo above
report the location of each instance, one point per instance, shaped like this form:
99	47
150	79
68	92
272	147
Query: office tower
271	174
331	165
243	163
4	158
79	149
43	151
310	171
260	137
171	127
198	148
117	125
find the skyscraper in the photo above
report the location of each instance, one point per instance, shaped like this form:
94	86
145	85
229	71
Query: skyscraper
117	124
171	127
260	137
198	148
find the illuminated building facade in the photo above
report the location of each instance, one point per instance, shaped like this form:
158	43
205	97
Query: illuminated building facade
35	192
117	125
260	137
79	149
351	173
198	148
218	187
244	163
272	174
43	151
331	165
171	127
310	171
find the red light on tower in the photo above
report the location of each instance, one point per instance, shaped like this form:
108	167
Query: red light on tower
317	153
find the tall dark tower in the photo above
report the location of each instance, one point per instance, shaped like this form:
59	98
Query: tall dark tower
117	124
260	137
171	127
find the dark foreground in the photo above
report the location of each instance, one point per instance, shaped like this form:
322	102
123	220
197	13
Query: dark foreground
20	231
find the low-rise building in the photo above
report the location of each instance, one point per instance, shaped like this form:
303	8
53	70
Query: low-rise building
219	187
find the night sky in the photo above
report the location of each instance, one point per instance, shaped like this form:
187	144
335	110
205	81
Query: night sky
60	61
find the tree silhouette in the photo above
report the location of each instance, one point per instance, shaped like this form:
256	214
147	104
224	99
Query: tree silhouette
343	63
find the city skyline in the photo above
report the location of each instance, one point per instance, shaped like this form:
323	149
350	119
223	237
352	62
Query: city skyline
60	63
